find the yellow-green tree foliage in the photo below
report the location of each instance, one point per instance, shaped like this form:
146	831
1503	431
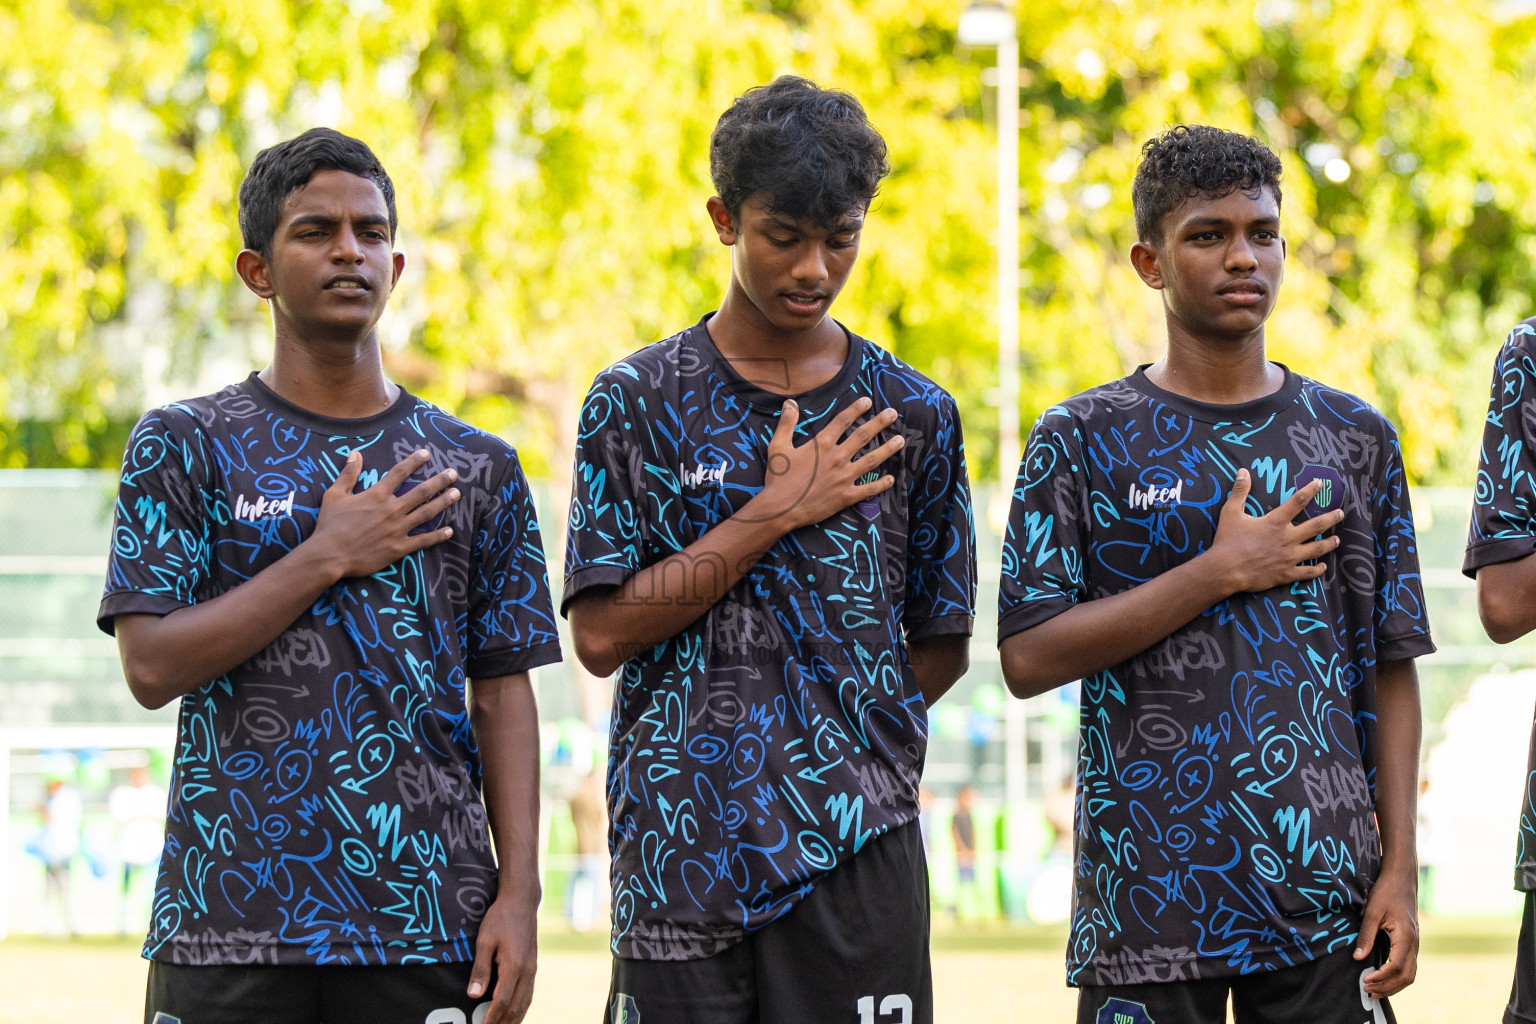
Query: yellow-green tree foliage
551	162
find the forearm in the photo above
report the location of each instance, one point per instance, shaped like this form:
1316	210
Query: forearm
1094	635
1398	728
167	656
938	662
662	600
504	717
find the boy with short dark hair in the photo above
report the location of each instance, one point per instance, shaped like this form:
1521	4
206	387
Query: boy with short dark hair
317	563
1223	552
1501	540
771	540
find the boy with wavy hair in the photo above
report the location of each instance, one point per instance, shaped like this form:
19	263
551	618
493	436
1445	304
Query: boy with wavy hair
1222	551
771	543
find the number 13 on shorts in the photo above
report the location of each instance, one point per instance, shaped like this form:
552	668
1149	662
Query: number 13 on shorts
894	1009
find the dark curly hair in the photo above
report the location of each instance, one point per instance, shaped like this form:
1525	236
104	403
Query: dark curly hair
287	166
1191	160
811	151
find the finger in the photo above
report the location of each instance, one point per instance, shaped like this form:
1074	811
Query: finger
480	974
1238	496
428	489
1292	506
404	468
1316	549
1366	941
420	541
427	511
865	432
522	998
350	469
874	487
501	1000
1388	979
784	432
840	424
872	458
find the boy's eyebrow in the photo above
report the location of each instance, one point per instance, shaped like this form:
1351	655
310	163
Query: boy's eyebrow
326	220
850	224
1201	222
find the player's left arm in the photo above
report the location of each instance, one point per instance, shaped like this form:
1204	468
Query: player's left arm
1392	904
504	717
941	558
938	662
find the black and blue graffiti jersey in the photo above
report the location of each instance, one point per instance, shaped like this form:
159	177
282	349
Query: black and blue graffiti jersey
770	740
1504	515
325	806
1226	775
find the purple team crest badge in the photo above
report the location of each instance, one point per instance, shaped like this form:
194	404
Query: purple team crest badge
1330	497
1122	1011
869	506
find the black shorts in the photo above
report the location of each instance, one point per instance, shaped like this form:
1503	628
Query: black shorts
1326	991
1522	994
855	950
305	994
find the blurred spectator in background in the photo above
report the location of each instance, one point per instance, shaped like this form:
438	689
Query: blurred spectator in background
962	828
138	814
589	815
58	845
925	818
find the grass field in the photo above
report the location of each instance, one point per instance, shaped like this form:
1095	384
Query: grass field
981	976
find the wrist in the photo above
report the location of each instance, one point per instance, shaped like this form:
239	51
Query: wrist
765	522
320	566
1220	574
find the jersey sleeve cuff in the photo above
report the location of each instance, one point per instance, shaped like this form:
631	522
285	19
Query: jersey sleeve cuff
133	602
589	576
506	663
940	625
1491	552
1416	645
1030	615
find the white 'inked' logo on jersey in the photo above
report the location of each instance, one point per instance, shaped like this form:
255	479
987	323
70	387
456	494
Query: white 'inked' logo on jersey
701	475
1152	497
263	508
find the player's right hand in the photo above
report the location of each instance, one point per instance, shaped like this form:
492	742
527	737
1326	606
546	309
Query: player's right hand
1260	552
805	484
358	533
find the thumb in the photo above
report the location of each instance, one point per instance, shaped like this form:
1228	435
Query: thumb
784	432
346	480
480	974
1368	927
1238	497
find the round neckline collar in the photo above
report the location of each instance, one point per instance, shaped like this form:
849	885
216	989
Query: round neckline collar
760	396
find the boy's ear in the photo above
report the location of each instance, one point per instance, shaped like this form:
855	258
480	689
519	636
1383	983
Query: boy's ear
720	217
1145	258
256	271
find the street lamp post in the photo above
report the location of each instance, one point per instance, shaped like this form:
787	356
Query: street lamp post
992	24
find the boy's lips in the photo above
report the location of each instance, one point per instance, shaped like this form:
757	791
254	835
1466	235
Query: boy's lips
347	283
804	302
1243	293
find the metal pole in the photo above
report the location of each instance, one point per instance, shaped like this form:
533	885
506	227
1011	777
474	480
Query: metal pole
1015	749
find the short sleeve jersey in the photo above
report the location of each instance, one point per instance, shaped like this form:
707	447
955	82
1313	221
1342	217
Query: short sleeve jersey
325	806
1226	775
771	739
1504	515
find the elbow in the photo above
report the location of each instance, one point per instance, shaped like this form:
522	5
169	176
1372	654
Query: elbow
1502	618
1024	673
148	683
598	654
